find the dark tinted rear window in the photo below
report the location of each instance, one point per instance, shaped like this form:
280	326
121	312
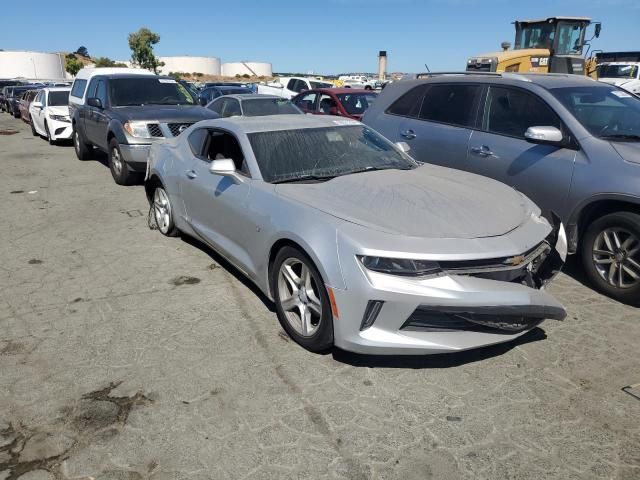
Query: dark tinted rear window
268	106
78	88
453	104
408	105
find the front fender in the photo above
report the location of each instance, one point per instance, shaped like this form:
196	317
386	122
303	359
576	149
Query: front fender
115	129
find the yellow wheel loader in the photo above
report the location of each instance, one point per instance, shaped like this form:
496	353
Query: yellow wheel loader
551	45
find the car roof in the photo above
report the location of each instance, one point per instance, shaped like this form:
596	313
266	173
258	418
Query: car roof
87	73
545	80
252	96
272	123
56	89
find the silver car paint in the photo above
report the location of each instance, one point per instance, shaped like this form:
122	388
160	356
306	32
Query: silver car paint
244	221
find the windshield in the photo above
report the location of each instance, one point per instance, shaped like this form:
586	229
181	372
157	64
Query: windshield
536	35
607	112
315	85
287	155
356	103
257	107
617	71
148	91
57	99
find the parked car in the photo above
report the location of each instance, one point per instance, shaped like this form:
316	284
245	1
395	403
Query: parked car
25	101
207	94
358	245
13	95
5	84
622	74
124	113
345	102
288	87
252	105
49	113
569	143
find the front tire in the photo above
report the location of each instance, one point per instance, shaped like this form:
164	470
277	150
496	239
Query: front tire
610	252
163	213
33	129
83	149
48	133
302	302
120	171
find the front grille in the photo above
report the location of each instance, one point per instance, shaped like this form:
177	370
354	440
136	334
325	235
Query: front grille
499	319
177	128
154	130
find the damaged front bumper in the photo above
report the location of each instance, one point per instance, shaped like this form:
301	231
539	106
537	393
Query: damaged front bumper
472	304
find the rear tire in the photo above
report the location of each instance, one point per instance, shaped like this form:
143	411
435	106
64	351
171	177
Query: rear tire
120	171
302	301
610	250
84	150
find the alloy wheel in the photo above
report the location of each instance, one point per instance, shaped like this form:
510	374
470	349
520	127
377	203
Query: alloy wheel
76	141
299	297
116	161
162	210
616	256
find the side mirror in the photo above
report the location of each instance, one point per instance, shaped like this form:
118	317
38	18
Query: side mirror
95	102
37	104
544	135
224	167
403	147
598	29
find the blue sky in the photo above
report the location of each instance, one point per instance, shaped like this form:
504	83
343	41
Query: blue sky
326	36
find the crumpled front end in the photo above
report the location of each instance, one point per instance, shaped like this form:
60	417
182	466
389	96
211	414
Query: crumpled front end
465	304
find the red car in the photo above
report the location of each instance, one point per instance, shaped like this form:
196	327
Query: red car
25	102
344	102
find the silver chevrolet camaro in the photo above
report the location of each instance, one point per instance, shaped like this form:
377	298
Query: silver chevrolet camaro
357	244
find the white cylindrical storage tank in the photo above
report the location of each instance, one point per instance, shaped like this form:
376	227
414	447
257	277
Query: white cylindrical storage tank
253	69
188	64
32	65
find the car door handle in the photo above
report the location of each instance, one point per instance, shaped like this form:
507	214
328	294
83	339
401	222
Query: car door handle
483	151
408	134
191	174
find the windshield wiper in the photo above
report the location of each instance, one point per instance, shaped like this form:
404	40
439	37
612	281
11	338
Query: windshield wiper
621	136
304	178
372	169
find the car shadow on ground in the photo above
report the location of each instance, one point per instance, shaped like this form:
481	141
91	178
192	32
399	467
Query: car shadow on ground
442	360
237	274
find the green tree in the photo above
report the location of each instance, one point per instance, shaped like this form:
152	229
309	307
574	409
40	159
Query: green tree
72	65
176	75
83	52
141	44
101	62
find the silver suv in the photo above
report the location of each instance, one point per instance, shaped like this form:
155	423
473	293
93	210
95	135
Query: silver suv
569	143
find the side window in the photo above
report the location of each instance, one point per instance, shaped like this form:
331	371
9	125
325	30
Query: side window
196	141
291	85
231	108
78	88
91	90
408	105
327	105
452	104
511	111
307	103
217	106
101	92
224	145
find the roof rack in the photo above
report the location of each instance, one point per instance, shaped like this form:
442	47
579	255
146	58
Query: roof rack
435	74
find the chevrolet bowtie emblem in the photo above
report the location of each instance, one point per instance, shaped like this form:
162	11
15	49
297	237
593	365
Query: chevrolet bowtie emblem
515	261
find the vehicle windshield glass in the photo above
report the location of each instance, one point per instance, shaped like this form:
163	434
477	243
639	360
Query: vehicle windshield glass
58	99
356	103
234	91
148	91
315	85
536	35
257	107
569	39
287	155
617	71
605	111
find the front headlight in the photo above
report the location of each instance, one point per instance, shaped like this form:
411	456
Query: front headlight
401	266
60	118
137	129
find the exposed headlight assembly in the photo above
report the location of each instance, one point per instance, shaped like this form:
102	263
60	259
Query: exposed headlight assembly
404	267
137	129
60	118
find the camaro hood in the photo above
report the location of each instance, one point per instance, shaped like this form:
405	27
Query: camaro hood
166	113
629	151
429	202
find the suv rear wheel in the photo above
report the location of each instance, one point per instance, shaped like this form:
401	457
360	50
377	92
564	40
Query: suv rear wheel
611	255
120	171
80	145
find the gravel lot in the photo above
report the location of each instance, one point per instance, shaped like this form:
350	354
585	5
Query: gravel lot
127	355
